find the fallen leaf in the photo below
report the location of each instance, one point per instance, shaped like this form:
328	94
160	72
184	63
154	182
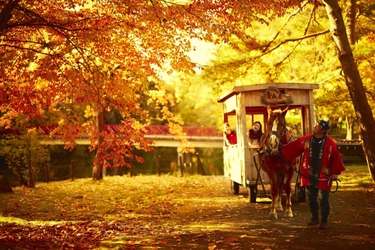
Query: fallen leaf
212	247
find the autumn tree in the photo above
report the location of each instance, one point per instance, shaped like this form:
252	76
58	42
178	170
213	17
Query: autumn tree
88	52
55	54
280	48
244	62
353	81
340	109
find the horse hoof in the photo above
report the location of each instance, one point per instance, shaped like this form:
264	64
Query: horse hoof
274	217
288	214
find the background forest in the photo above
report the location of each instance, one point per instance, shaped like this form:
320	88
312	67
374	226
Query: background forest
67	64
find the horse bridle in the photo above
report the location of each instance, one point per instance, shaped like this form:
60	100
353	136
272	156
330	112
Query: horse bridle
280	137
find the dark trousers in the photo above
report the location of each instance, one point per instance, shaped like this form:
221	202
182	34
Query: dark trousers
318	199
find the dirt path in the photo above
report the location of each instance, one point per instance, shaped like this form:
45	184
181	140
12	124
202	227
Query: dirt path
216	219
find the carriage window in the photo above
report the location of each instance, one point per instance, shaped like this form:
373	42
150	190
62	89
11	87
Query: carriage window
259	118
250	119
232	122
294	121
253	137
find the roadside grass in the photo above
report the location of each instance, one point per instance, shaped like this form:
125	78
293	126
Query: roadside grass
86	212
356	176
119	197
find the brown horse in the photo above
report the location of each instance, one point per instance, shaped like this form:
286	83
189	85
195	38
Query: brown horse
274	165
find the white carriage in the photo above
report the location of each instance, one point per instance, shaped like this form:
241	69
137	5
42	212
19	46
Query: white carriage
244	105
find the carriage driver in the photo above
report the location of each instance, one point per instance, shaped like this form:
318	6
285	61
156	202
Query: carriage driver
321	165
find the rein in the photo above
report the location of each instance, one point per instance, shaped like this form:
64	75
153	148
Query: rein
318	180
281	136
289	165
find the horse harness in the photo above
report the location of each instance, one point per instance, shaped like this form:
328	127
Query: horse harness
263	151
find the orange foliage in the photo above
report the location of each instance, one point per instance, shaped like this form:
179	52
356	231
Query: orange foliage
59	54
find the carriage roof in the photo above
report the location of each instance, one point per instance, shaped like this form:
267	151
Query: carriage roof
258	88
254	99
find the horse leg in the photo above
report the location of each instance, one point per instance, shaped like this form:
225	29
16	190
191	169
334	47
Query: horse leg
280	183
288	191
274	198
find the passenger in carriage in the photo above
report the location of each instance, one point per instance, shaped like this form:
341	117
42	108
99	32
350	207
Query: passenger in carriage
255	134
230	136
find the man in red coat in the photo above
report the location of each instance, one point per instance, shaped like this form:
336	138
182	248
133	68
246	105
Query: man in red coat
321	165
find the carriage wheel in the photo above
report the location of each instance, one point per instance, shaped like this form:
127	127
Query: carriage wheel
301	193
252	194
235	188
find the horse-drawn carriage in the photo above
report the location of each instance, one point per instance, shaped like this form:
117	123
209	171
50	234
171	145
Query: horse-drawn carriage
243	106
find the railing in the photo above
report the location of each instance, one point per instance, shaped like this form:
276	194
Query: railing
350	147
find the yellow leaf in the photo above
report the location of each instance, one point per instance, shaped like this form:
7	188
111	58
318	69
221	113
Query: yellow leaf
212	247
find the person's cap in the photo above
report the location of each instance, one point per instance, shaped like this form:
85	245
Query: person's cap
324	124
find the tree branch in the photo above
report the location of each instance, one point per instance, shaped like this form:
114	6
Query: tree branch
6	14
296	40
285	23
299	42
23	48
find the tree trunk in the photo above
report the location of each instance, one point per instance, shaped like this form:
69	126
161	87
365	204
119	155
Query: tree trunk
31	181
47	165
97	170
200	166
349	128
350	17
353	82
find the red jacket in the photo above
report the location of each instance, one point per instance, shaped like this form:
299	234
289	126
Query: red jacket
331	162
232	137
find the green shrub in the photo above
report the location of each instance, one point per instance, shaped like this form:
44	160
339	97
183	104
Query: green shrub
25	155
